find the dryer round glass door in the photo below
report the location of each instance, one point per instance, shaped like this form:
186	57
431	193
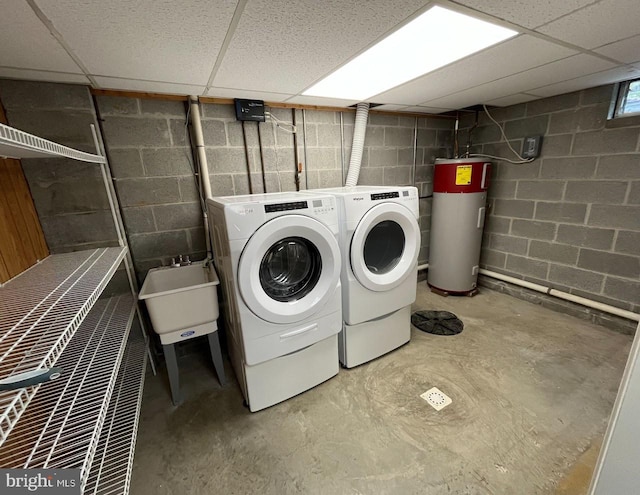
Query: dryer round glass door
289	269
384	246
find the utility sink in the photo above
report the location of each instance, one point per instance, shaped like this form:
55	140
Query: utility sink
183	304
182	301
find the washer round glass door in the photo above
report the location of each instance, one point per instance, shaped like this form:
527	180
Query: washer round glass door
384	246
289	268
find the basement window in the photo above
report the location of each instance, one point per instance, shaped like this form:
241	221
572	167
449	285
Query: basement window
627	99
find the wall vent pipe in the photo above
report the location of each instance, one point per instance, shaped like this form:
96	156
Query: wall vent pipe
362	113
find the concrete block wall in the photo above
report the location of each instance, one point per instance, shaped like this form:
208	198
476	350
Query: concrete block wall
151	162
570	219
69	196
388	157
224	144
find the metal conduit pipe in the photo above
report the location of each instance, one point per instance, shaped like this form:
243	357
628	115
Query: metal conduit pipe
607	308
203	167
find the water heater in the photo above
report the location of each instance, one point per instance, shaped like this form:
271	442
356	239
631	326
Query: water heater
457	221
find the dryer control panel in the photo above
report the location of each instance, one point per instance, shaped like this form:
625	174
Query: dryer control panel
385	195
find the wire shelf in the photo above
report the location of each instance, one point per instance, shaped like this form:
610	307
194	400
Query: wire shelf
39	312
111	469
61	427
19	144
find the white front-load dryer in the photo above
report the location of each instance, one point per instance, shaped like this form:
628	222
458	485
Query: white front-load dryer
279	262
380	243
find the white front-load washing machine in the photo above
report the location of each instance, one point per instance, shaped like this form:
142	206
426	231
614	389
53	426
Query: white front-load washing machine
380	242
278	259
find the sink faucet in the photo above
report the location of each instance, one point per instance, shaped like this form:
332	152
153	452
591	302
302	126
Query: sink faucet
183	261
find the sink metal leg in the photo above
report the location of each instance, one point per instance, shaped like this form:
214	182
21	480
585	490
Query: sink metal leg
216	355
172	371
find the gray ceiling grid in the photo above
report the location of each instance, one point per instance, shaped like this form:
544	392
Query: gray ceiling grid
275	50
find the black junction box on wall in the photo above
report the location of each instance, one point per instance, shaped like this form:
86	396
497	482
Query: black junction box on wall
249	110
531	146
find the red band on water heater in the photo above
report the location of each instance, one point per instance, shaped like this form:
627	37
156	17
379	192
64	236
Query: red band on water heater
465	177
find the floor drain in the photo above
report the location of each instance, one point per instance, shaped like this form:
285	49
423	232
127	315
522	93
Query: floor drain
436	398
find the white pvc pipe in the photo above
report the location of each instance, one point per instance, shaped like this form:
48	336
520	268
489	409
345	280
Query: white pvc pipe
362	113
203	168
202	155
607	308
595	305
515	281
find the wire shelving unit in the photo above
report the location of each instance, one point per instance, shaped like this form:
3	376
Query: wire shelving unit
61	427
19	144
40	311
53	315
111	468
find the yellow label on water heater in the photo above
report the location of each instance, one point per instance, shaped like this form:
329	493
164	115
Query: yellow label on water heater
463	175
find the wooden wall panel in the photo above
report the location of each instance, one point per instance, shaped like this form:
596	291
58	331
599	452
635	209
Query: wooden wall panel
25	208
4	272
22	242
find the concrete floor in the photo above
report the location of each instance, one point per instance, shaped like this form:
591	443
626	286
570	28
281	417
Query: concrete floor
532	391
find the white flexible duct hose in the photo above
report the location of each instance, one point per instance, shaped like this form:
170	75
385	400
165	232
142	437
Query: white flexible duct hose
362	113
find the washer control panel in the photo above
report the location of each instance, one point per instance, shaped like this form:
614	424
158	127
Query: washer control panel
294	205
325	205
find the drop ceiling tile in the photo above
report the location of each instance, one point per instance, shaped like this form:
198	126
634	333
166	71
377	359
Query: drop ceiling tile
26	43
285	46
148	86
174	42
627	51
589	81
505	101
457	101
242	93
317	100
40	75
561	70
391	108
423	109
598	24
510	57
526	13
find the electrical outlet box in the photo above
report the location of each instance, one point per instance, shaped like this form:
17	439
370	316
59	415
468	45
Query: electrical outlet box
531	147
249	110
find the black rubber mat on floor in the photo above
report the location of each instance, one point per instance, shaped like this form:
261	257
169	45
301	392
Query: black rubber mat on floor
437	322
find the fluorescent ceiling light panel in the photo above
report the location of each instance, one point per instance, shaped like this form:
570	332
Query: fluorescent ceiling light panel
433	40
